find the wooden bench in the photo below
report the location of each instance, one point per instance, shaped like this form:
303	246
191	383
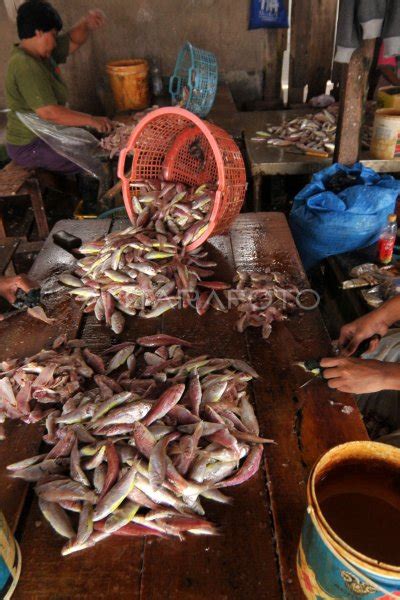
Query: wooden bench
17	181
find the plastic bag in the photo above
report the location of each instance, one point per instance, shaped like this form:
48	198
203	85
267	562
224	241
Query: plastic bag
325	223
74	143
268	13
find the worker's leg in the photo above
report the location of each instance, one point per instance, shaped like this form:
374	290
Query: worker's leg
39	155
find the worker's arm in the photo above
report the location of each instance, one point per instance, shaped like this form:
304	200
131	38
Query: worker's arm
358	376
80	32
61	115
375	322
10	285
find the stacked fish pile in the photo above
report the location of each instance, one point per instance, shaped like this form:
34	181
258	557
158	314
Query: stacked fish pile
173	208
263	298
314	132
139	436
118	139
146	269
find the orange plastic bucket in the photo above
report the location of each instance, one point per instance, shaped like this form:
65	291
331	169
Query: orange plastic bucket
129	80
161	144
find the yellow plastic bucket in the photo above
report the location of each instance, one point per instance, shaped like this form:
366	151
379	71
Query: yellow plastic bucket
385	143
327	566
389	97
129	80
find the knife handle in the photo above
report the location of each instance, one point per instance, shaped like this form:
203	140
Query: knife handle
66	240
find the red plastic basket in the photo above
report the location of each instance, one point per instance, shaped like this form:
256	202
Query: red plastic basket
161	144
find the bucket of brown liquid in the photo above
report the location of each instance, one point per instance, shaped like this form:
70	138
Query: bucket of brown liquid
350	541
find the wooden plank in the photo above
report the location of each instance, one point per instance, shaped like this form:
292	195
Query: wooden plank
304	422
22	336
12	177
8	248
275	46
240	563
313	27
352	101
33	189
321	40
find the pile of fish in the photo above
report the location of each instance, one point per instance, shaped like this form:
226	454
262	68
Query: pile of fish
173	208
146	269
315	132
263	298
118	139
139	435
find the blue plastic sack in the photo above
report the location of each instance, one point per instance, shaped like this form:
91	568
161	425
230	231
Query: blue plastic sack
268	13
325	223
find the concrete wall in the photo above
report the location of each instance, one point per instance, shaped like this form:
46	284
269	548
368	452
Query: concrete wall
152	29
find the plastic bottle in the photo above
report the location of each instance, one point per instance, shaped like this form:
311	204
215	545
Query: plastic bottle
387	240
156	81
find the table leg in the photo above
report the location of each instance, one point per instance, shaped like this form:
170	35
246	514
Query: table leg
3	233
257	189
39	212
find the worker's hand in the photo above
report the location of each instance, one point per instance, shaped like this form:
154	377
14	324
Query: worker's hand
361	329
10	285
358	376
95	19
102	124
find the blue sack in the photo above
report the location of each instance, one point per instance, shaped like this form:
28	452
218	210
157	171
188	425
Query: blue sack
325	223
268	13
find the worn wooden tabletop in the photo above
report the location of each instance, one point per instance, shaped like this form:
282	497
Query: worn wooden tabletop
254	555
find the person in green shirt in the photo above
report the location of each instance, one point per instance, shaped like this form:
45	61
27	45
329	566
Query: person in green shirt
34	83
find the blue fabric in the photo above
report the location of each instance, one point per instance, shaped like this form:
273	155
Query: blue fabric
268	13
4	575
325	223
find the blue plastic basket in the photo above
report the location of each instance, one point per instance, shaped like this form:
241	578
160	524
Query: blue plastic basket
194	82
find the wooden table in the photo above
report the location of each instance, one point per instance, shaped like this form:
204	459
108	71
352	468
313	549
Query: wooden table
254	556
266	160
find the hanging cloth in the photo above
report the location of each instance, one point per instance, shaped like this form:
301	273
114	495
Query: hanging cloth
366	20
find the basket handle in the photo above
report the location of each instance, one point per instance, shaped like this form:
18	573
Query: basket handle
173	85
121	164
191	79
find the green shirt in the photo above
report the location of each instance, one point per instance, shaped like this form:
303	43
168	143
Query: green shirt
32	83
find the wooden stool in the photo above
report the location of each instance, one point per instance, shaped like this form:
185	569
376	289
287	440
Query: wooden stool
17	181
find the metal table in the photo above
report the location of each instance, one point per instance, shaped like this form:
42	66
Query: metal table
254	555
266	160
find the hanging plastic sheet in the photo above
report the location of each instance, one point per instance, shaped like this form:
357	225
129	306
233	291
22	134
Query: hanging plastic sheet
74	143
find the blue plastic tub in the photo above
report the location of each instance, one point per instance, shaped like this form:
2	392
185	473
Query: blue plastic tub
194	83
